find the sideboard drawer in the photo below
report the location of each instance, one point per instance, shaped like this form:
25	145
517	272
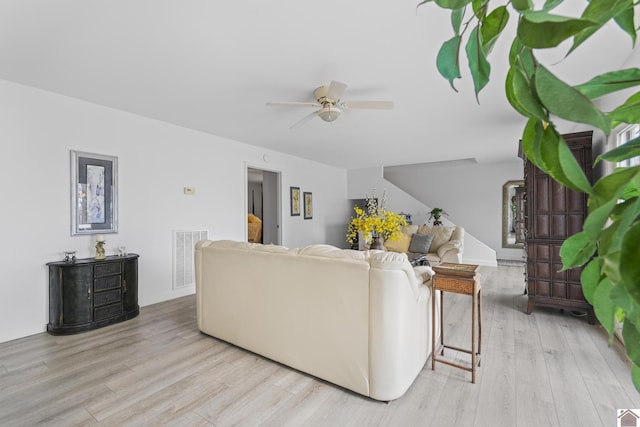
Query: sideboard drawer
108	297
107	269
107	311
109	282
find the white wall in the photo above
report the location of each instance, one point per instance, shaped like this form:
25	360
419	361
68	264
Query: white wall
470	193
361	181
156	160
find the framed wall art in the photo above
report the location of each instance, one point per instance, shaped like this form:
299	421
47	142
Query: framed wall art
295	200
308	205
94	193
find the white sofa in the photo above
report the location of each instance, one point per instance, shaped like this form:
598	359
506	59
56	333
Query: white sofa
358	319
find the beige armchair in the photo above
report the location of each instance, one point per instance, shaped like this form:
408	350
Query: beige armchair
447	244
254	229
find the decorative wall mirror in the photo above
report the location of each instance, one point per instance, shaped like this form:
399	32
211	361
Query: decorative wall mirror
513	231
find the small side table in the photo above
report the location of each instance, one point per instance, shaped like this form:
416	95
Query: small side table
461	279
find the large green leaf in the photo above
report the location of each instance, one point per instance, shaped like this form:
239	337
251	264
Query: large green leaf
551	4
631	338
599	11
452	4
596	220
623	152
630	211
625	21
540	29
611	187
456	19
448	60
608	243
520	96
522	5
635	376
566	102
590	277
478	64
621	298
610	82
603	306
611	266
522	57
629	262
577	250
629	112
560	163
532	141
480	8
492	27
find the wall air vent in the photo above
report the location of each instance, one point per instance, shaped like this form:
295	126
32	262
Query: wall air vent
184	242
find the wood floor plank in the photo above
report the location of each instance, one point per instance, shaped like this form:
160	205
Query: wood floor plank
544	369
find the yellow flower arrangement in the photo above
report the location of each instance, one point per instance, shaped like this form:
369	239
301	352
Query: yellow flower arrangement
375	222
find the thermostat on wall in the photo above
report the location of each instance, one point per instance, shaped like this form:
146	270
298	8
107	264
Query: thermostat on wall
189	191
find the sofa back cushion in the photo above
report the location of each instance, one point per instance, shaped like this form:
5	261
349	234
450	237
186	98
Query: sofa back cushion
441	235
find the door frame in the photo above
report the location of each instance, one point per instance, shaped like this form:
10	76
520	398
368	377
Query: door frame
278	195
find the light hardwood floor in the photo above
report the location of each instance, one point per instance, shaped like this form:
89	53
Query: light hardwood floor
546	369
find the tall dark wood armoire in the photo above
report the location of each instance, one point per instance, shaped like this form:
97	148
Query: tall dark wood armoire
554	213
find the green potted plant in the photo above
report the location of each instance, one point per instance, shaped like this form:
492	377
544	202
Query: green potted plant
435	214
608	244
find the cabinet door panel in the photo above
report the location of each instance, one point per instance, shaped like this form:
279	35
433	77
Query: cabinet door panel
76	295
130	286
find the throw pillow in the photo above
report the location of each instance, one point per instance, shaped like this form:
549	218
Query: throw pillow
399	245
420	243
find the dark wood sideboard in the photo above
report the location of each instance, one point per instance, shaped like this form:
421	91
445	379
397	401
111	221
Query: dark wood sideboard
89	293
554	213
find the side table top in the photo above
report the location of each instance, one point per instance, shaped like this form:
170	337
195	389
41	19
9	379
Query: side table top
453	269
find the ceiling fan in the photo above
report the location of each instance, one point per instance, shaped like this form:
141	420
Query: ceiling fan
330	104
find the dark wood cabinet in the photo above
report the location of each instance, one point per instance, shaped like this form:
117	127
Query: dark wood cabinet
554	213
89	293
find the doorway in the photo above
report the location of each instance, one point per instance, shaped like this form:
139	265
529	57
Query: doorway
263	202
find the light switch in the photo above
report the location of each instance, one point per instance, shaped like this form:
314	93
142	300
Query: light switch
189	191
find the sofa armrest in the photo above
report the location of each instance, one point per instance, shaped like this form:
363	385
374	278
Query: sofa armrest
423	273
451	250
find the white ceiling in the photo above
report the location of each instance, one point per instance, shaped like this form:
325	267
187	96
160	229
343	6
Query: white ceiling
211	65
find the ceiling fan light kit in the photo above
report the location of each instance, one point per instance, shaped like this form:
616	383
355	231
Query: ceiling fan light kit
331	107
329	113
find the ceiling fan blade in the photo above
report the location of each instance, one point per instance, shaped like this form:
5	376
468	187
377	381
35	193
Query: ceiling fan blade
368	105
304	120
293	104
336	89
